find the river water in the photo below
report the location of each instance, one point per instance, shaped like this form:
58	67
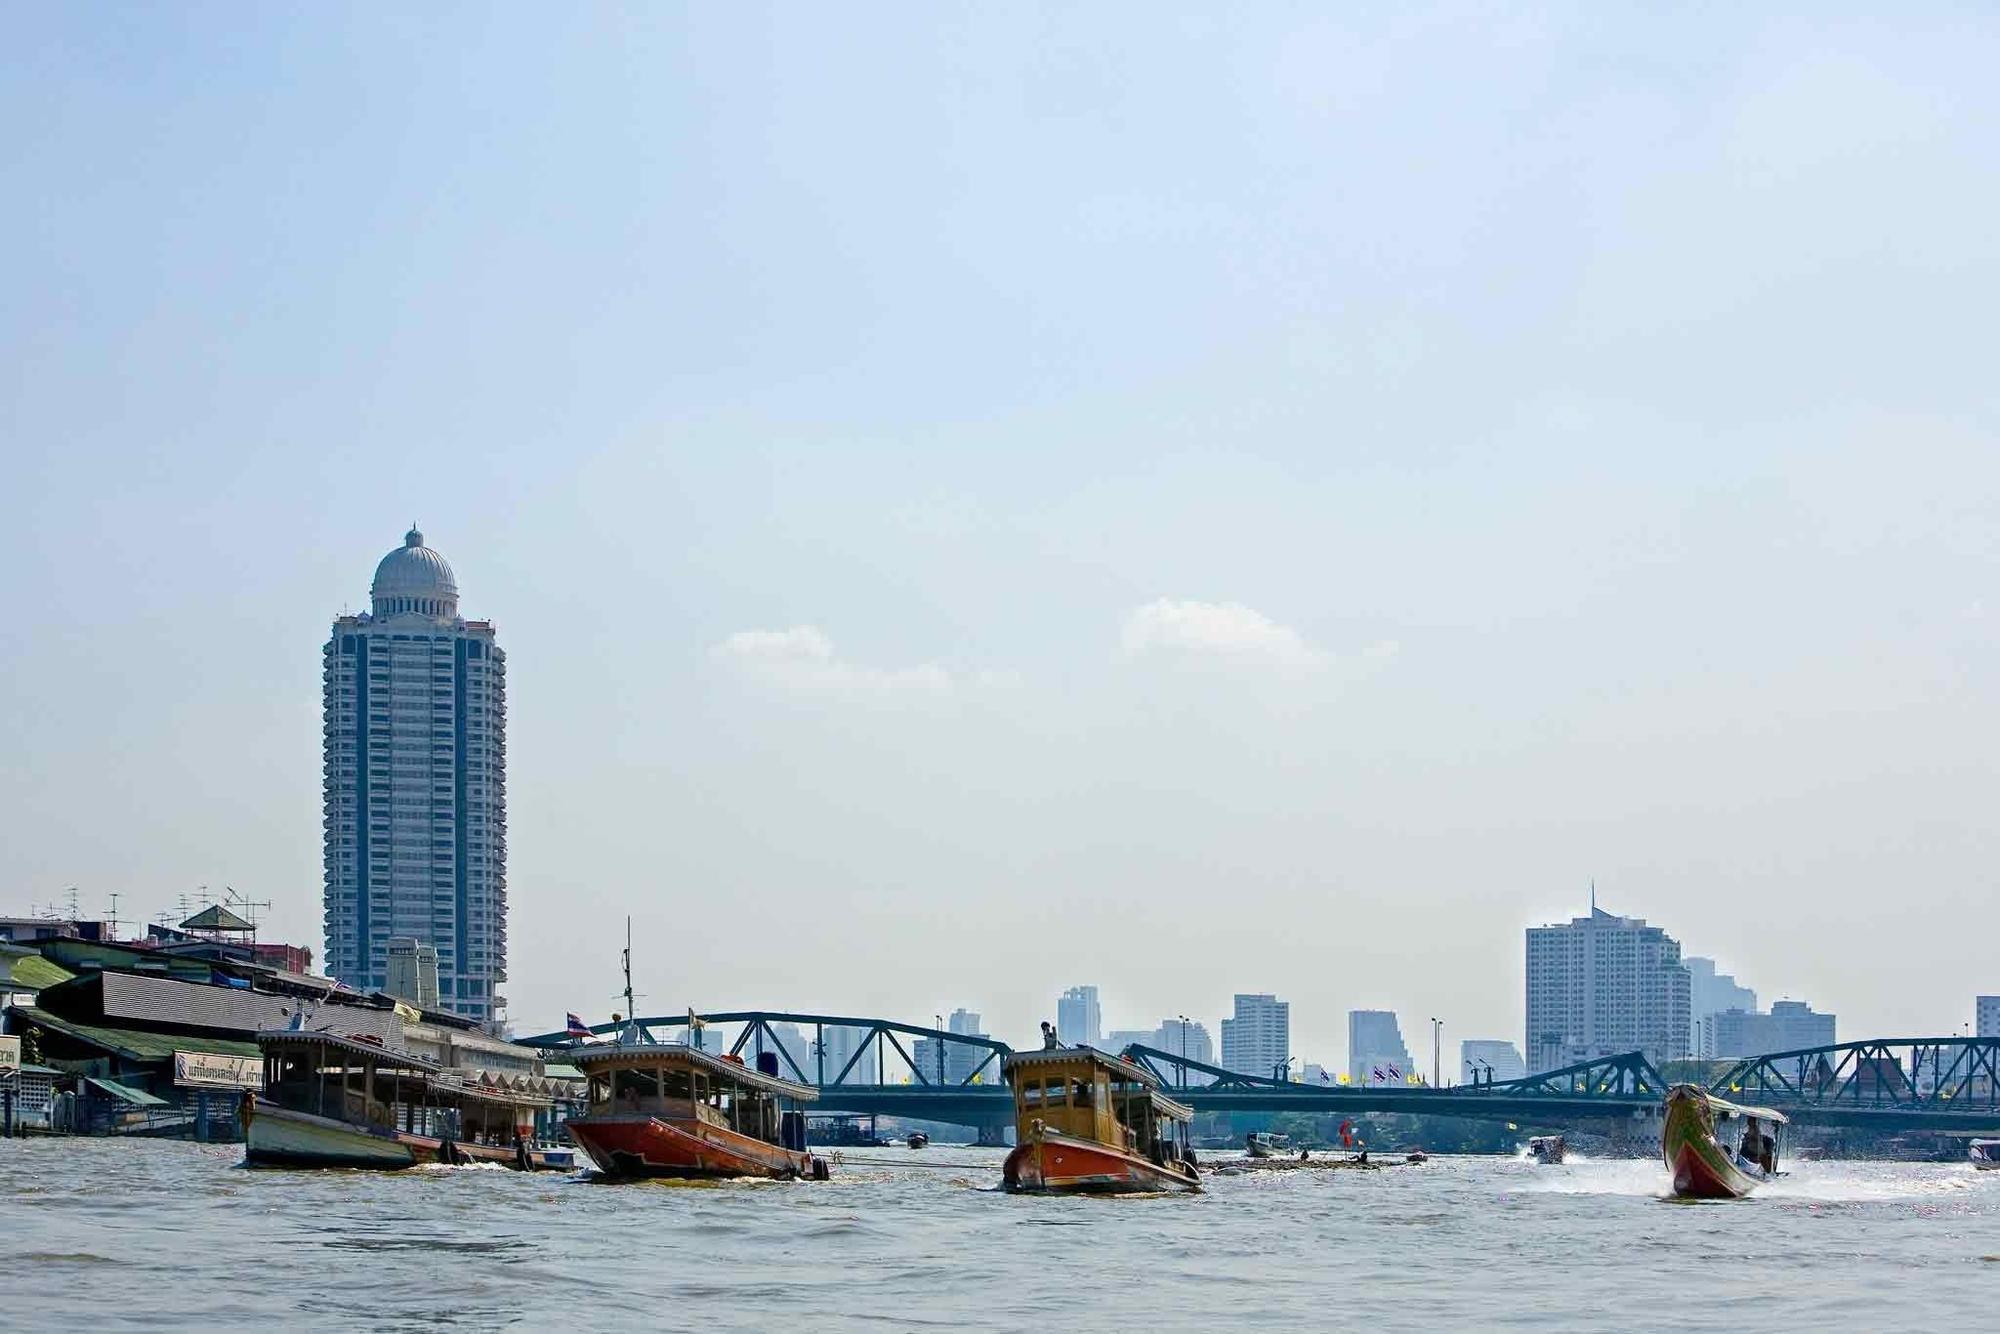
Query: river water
103	1233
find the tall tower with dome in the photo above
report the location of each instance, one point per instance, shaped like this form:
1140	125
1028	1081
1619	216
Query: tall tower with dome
416	786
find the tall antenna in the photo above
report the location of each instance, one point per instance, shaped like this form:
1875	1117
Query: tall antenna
247	905
1593	896
630	1014
113	923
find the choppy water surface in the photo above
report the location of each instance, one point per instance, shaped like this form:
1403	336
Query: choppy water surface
156	1234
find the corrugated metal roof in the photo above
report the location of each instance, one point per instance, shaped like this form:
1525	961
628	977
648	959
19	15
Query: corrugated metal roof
167	1001
131	1096
130	1043
31	972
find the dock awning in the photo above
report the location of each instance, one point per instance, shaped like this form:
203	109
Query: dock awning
131	1043
131	1097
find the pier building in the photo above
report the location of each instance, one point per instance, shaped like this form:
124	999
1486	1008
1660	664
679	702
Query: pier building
416	786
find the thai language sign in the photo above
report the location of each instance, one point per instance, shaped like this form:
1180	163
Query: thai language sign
10	1055
202	1069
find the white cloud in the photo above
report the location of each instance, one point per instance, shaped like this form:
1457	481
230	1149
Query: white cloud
803	659
1227	631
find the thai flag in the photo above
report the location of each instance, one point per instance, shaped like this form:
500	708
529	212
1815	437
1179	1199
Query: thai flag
578	1029
1378	1074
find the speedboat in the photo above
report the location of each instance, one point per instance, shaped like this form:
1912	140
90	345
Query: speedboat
1263	1144
1548	1150
1088	1122
1984	1153
918	1139
1714	1149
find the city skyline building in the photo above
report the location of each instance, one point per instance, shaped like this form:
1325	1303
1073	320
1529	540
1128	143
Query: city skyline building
1375	1043
1490	1058
845	1043
1601	985
415	806
413	972
1257	1038
1079	1017
1711	992
1790	1026
1986	1016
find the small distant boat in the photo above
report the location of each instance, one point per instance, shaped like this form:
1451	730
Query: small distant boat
1548	1150
1717	1150
918	1139
1086	1121
1984	1153
334	1101
1263	1144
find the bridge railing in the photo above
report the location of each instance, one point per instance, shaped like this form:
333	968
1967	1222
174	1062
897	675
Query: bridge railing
958	1058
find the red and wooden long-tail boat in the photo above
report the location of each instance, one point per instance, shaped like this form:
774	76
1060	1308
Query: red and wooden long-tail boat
1086	1121
1706	1143
660	1110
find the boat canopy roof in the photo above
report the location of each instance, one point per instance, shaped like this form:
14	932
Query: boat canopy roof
647	1055
1082	1062
1728	1108
387	1058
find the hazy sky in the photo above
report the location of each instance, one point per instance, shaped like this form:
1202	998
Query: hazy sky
977	501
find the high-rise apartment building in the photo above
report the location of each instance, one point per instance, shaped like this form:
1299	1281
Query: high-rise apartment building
1376	1053
1601	985
1986	1014
1257	1040
844	1044
415	786
1710	992
1079	1020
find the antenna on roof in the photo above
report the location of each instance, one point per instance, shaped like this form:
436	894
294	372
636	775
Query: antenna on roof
248	905
1593	896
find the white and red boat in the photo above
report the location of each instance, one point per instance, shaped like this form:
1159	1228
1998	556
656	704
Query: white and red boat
1088	1122
661	1110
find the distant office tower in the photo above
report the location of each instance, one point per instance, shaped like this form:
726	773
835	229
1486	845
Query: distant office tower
1375	1050
1986	1011
1191	1040
962	1060
1079	1021
413	972
1118	1039
1790	1026
1484	1059
1602	985
1710	992
844	1044
1257	1040
415	787
796	1050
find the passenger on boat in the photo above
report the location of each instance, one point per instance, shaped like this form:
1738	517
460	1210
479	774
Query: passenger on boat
1758	1147
1050	1042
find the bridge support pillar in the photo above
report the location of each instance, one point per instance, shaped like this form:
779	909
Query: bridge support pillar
992	1137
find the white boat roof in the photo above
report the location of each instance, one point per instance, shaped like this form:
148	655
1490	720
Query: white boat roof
614	1054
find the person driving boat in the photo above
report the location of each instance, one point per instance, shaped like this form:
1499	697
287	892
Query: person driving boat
1758	1147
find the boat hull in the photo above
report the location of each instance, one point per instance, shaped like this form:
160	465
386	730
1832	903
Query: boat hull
651	1146
281	1137
1701	1168
1060	1165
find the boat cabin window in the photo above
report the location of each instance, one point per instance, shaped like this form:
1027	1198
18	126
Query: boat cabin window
631	1086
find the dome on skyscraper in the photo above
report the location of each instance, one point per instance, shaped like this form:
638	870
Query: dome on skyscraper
414	579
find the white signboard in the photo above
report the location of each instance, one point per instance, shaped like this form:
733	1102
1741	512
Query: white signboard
10	1057
201	1069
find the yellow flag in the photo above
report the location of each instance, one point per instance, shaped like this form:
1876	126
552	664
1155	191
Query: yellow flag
408	1013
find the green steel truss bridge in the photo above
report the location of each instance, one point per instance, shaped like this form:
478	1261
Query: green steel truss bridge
1949	1083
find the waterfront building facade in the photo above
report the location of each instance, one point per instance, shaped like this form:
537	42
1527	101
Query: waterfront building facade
1602	985
1079	1019
1376	1053
1257	1039
1490	1059
415	786
1790	1026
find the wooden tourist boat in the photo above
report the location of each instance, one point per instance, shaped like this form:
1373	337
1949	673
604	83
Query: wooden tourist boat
659	1110
1086	1121
1548	1150
1708	1144
333	1101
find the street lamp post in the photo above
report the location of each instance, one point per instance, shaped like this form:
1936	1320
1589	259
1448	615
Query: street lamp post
940	1046
1184	1024
1437	1046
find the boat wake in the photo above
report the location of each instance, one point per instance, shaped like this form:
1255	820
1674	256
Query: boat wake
1807	1183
